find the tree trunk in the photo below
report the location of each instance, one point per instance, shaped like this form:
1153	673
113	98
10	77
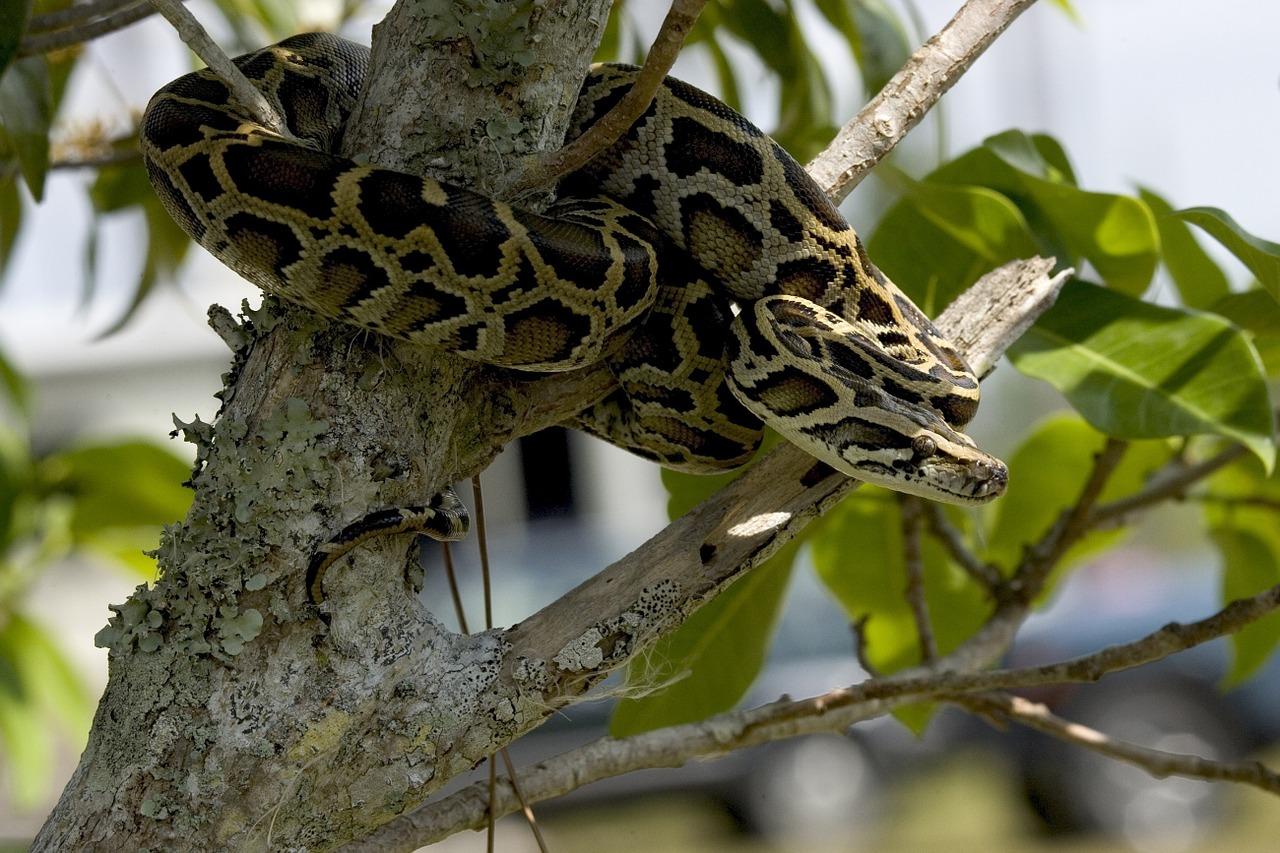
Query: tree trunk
233	716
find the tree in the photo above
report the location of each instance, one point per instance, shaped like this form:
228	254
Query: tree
234	716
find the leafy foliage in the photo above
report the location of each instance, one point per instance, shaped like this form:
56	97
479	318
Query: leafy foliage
1262	257
1131	368
1137	370
1046	474
108	500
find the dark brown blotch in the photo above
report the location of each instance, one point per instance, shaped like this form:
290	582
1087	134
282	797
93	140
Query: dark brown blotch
694	147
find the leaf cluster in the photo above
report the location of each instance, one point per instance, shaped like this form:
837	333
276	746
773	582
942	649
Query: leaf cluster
108	500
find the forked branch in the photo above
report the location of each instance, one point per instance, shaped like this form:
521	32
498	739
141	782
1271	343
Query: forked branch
835	712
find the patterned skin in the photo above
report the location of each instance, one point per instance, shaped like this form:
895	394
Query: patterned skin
695	257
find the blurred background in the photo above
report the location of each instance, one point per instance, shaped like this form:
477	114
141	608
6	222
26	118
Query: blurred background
1184	97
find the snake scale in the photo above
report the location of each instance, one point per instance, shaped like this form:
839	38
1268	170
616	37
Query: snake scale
694	256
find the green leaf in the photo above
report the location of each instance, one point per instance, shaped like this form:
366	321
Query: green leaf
611	39
37	683
1116	234
1067	7
857	551
725	75
938	239
1250	565
10	220
1259	315
1262	257
713	657
1046	474
981	220
26	111
1199	280
128	484
1136	370
27	747
51	684
873	34
13	22
123	187
14	386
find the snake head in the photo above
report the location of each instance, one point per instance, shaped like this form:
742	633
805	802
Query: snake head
827	387
940	464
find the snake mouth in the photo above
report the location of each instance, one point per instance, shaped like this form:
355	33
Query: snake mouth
969	484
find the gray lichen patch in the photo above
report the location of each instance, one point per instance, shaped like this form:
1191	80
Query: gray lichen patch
496	31
245	509
612	641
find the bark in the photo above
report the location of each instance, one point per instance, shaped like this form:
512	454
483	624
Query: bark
234	717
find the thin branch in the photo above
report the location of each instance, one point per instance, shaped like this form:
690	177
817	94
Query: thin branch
859	629
1250	501
1158	763
75	14
483	539
831	712
913	561
114	158
193	33
513	778
46	42
452	575
925	77
1173	484
1029	578
553	165
985	574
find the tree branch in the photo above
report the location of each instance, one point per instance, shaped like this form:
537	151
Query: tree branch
116	16
1157	762
912	509
1171	483
831	712
930	72
1030	577
985	574
196	37
550	167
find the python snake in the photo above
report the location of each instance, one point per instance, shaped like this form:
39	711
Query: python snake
694	256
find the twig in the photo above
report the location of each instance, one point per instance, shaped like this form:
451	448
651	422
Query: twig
1162	488
925	77
913	561
1158	763
985	574
114	158
1040	560
75	13
859	628
525	806
483	539
1250	501
453	588
554	165
193	33
830	712
46	42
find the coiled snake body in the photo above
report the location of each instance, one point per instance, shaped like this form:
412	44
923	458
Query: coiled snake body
692	214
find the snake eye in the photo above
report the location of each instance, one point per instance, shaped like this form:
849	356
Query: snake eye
923	447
